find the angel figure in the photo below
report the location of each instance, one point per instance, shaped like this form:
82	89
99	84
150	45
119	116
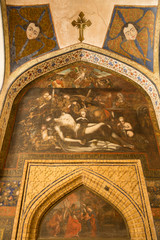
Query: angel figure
133	36
29	36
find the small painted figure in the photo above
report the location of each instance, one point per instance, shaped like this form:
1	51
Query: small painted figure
89	217
73	225
53	225
124	127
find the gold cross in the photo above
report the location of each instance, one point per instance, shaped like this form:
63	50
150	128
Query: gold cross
81	24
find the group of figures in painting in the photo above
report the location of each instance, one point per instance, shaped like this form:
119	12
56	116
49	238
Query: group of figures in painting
82	119
82	214
69	122
74	121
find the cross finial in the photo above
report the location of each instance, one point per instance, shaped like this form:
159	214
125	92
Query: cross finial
81	23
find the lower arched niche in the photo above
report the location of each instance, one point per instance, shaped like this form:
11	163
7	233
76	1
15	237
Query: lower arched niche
46	184
82	215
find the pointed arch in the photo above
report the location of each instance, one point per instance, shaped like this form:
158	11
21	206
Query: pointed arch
57	190
62	58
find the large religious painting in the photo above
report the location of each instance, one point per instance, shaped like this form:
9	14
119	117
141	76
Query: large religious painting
83	109
131	34
31	33
83	215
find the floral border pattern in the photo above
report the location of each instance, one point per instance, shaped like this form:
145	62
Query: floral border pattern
77	55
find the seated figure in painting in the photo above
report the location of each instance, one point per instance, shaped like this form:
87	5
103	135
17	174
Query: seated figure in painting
124	127
83	127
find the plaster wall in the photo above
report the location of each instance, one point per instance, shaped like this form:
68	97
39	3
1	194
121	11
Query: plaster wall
98	11
63	13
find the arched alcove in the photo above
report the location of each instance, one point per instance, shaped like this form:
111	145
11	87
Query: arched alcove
109	102
31	212
78	53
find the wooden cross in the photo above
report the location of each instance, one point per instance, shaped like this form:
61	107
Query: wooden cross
81	24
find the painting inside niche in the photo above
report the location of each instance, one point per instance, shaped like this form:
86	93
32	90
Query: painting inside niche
83	109
82	215
29	37
130	35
